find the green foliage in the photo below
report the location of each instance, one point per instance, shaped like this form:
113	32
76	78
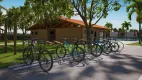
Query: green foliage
135	7
109	25
2	17
126	25
47	11
94	10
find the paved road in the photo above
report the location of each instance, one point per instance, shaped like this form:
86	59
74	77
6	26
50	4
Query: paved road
126	65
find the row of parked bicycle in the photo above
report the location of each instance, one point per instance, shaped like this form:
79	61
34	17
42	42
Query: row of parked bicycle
78	51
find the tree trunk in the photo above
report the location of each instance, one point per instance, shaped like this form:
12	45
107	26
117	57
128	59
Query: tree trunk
5	37
126	35
88	32
15	36
23	38
139	33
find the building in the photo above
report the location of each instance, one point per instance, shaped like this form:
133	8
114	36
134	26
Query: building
66	28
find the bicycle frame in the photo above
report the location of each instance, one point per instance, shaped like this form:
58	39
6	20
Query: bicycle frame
68	46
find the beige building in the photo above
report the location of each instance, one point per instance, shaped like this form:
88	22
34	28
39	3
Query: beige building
67	28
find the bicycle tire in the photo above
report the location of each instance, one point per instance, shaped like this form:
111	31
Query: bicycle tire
96	50
28	55
106	48
46	55
121	45
61	54
74	54
114	46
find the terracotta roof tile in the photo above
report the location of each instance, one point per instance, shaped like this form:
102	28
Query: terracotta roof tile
82	23
73	21
42	26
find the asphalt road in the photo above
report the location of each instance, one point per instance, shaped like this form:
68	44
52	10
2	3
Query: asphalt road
126	65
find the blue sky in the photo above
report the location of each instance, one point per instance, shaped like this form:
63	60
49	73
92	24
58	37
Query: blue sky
116	18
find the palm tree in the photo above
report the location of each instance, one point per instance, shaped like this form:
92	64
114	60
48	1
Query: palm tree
136	7
109	25
13	16
126	26
115	30
131	30
5	22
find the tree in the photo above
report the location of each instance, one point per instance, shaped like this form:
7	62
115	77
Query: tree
126	26
48	13
25	19
115	30
4	18
95	10
13	14
136	7
109	25
131	30
121	32
47	10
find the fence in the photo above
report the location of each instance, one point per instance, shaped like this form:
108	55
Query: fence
11	36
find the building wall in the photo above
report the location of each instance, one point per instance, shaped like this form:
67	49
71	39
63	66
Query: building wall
41	34
69	33
93	32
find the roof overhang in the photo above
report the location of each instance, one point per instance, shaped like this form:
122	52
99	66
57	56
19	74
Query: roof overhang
64	23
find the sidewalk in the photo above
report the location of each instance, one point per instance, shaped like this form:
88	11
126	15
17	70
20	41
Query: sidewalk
10	43
129	42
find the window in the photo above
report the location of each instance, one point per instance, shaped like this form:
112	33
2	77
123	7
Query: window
36	33
52	32
32	33
95	34
92	32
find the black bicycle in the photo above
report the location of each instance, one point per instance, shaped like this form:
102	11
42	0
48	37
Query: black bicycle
37	52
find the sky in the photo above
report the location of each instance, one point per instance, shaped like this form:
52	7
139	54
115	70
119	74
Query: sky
116	18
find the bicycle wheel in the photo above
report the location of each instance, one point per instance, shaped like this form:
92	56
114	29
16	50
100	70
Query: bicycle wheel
114	46
96	50
121	46
106	48
61	51
45	61
78	54
28	56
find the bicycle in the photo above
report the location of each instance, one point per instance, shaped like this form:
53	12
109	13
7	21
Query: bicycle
94	49
39	53
76	52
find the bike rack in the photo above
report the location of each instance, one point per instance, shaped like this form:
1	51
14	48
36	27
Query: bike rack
18	66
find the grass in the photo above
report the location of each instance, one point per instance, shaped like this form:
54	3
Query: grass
135	44
7	59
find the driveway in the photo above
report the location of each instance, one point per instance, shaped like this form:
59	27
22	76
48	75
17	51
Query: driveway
126	65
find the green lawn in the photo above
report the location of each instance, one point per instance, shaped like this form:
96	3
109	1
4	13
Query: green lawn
135	44
7	59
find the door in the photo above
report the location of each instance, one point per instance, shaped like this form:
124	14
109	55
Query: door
52	35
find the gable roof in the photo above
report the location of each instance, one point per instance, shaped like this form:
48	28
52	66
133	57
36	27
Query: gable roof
82	23
66	21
